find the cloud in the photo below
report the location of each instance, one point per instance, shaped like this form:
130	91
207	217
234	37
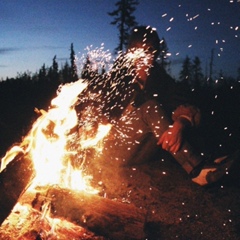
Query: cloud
51	47
8	50
3	66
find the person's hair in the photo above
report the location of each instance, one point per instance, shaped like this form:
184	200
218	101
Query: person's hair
147	36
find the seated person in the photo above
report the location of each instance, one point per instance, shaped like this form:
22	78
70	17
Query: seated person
148	110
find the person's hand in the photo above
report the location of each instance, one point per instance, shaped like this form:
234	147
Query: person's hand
171	140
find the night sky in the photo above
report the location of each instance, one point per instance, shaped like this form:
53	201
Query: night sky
33	32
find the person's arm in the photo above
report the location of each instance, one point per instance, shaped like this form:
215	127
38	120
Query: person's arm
171	140
184	116
188	112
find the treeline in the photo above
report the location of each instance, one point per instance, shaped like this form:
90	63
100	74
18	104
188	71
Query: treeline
219	100
19	97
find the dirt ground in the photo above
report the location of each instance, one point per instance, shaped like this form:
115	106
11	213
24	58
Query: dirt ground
176	207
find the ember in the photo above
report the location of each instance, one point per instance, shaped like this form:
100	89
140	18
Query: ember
26	223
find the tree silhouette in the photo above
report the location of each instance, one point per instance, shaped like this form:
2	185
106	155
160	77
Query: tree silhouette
125	20
211	64
163	54
65	73
197	75
186	73
73	66
68	73
87	70
20	95
238	76
42	75
53	71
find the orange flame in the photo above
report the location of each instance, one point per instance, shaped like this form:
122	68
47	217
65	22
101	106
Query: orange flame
48	139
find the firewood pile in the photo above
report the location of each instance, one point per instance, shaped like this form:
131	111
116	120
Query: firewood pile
80	215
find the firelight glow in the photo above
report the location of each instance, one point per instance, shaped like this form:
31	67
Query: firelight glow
48	140
46	143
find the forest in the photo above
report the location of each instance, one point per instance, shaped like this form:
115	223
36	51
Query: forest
218	99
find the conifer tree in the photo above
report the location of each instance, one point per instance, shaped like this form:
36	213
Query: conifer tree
238	76
197	75
55	64
124	20
163	54
73	66
42	73
186	73
65	73
53	71
87	70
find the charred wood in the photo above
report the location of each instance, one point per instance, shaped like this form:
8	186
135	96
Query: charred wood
102	216
14	180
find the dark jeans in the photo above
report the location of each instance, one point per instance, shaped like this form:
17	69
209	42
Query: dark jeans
133	139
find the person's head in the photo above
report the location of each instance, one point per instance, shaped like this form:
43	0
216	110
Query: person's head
143	48
146	38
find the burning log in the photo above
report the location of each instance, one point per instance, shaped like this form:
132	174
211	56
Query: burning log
102	216
14	181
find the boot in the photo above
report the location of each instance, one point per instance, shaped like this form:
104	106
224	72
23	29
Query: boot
211	173
201	171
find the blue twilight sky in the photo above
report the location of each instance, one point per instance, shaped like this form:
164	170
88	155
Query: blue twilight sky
32	32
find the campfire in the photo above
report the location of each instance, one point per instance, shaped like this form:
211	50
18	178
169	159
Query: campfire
45	193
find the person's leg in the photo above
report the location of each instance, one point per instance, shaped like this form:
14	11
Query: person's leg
156	118
135	137
198	168
121	153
